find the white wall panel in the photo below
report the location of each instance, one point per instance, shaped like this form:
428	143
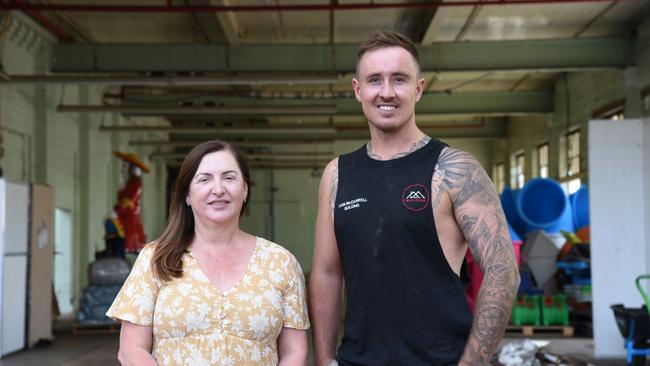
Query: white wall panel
14	292
618	193
16	216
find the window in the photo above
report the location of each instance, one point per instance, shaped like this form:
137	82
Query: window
499	174
542	160
572	173
573	153
63	260
518	166
615	114
619	116
613	111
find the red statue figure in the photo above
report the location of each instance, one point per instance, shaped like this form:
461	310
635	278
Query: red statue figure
124	232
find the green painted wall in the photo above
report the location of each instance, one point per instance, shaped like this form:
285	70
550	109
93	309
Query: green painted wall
67	151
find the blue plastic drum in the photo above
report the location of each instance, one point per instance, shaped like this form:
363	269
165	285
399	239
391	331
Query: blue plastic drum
543	205
580	205
509	204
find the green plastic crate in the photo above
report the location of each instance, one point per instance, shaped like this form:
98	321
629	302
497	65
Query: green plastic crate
555	310
526	310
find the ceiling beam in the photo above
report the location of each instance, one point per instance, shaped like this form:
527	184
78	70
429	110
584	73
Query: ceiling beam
564	54
280	156
207	80
184	138
274	165
242	144
438	24
235	132
172	110
110	8
481	103
217	27
228	22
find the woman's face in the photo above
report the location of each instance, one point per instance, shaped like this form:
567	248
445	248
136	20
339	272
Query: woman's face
218	189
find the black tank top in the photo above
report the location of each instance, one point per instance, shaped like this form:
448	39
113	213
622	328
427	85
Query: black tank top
405	305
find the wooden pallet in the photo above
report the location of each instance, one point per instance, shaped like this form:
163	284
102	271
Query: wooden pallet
95	328
536	330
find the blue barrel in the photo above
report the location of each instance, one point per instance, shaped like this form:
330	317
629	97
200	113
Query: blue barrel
509	204
543	205
580	205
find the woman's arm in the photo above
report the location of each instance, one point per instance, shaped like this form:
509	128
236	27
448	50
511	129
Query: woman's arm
292	347
135	345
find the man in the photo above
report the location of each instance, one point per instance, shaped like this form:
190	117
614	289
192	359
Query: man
394	220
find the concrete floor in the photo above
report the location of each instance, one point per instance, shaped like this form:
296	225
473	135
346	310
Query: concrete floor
101	350
70	350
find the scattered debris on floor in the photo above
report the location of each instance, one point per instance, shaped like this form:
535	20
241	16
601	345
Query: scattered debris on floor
528	352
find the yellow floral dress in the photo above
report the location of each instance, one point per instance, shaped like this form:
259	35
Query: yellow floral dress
195	324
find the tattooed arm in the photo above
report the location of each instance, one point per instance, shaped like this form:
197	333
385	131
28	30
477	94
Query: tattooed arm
325	279
479	215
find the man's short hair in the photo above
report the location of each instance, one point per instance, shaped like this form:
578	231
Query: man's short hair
384	38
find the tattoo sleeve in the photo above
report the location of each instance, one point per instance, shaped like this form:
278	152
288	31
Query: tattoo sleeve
479	214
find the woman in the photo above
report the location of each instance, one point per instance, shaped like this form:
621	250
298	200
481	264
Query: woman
206	292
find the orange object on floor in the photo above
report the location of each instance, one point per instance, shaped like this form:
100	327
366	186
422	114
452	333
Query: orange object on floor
584	234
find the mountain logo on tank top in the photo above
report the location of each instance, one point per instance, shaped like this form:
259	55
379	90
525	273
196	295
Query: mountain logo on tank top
415	197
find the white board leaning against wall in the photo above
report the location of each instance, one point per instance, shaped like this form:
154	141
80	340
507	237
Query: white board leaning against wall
619	199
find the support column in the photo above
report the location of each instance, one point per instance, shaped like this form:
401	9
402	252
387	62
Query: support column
115	163
83	194
632	93
40	121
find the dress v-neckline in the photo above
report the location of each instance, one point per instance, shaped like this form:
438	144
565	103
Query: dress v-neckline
239	280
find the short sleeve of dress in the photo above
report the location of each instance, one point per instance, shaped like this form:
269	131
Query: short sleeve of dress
136	300
295	299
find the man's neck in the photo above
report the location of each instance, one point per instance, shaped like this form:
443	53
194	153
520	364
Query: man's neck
387	149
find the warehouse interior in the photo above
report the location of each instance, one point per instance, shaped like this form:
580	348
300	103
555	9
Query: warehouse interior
553	89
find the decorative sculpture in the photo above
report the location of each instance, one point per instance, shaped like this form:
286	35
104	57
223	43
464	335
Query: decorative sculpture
124	232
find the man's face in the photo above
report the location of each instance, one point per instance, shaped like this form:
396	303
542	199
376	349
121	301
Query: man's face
388	86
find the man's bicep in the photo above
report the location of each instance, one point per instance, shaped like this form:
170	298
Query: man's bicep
485	229
476	206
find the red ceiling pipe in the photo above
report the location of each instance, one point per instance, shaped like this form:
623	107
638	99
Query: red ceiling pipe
103	8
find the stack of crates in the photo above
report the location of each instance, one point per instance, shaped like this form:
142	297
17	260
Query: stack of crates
540	310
